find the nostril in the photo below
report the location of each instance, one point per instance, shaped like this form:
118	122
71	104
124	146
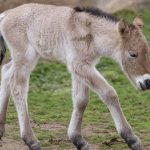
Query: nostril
147	83
142	86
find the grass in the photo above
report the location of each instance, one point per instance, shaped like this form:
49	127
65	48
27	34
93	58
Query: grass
50	104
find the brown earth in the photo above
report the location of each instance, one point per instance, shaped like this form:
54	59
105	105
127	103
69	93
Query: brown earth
107	5
13	142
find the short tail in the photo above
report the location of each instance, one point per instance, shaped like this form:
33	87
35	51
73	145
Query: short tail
2	42
2	48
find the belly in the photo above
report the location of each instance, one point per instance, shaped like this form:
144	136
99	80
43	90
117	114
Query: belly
52	49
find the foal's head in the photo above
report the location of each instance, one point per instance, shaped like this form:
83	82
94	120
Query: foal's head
134	53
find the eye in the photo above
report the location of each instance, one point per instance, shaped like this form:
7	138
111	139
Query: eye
133	54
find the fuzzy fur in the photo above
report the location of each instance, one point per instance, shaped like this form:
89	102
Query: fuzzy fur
78	39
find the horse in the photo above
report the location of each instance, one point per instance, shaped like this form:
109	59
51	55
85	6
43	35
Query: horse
77	37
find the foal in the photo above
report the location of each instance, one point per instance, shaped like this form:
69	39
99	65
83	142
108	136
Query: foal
77	37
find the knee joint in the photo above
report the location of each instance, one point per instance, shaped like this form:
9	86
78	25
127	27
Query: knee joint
80	106
110	97
80	102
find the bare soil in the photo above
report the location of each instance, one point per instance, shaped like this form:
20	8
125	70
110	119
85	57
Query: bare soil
9	142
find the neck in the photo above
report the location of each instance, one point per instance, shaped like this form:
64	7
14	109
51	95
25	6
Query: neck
106	37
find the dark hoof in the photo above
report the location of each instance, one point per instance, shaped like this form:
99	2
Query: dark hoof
85	147
132	140
80	143
35	146
32	145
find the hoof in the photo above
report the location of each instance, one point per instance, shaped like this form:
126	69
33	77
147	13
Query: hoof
137	144
132	140
80	143
85	147
33	145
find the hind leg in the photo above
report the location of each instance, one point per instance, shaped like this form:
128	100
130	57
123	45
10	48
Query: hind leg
19	84
4	95
19	89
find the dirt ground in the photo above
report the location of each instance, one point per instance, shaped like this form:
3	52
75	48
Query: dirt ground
8	143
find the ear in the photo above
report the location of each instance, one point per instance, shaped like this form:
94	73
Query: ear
123	28
138	22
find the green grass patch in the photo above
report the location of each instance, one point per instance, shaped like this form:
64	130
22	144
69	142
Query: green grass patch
50	102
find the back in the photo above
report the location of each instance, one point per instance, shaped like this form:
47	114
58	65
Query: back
44	26
48	28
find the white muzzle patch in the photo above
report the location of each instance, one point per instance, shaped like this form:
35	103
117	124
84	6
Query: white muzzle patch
143	82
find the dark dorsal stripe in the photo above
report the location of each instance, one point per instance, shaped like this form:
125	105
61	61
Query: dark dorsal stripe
97	12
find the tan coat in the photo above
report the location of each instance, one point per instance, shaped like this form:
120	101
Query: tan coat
77	37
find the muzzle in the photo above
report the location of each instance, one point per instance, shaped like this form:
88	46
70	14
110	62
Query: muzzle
143	82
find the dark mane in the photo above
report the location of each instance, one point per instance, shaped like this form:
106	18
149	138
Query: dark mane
97	12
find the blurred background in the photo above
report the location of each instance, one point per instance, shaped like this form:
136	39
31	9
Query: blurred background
107	5
49	99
